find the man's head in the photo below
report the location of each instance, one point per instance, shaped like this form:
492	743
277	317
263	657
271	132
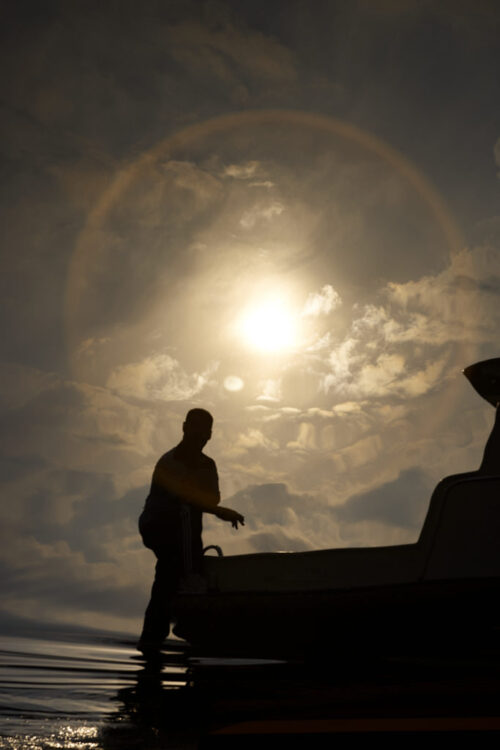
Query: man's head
197	428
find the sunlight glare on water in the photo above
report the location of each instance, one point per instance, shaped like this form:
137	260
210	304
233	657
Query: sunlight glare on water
69	693
81	690
70	737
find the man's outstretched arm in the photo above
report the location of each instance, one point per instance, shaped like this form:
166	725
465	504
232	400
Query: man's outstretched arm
206	499
225	514
228	514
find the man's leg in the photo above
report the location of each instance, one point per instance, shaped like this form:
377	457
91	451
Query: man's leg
158	612
192	551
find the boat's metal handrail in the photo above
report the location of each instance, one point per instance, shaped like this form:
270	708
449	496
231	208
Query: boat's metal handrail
216	547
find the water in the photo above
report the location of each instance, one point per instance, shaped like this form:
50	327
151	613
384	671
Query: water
79	691
93	691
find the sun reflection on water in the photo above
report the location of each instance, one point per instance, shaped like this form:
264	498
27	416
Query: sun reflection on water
68	736
77	693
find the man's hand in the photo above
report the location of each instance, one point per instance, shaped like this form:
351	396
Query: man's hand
227	514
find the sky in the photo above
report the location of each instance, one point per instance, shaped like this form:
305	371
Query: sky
284	212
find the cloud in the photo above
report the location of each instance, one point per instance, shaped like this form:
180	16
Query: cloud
306	438
189	178
460	303
253	438
20	384
276	519
236	56
402	502
405	345
241	171
270	391
322	302
378	379
159	376
69	540
75	425
75	480
263	184
261	212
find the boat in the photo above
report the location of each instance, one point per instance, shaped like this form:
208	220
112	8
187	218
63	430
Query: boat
441	592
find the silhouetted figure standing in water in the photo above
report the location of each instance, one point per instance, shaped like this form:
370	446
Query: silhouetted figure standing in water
184	485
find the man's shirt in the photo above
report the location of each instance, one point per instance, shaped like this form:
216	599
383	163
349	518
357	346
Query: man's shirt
180	480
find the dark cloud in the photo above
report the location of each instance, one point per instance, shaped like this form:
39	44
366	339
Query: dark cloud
63	539
16	467
277	519
270	503
402	502
57	589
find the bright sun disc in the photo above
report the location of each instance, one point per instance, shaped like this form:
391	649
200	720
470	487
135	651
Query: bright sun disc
269	326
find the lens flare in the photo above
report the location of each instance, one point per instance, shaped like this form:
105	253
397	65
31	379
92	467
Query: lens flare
233	383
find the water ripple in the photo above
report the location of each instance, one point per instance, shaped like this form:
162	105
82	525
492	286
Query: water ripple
60	694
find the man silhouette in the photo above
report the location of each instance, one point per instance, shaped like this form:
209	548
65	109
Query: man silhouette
184	485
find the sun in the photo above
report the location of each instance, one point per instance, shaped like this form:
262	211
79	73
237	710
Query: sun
269	326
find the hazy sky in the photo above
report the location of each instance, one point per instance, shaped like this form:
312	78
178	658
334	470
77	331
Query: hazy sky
284	212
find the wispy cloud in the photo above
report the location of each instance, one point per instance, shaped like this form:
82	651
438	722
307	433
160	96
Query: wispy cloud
231	54
243	171
159	376
261	212
322	302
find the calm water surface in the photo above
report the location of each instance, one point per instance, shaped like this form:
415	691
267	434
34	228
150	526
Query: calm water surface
95	691
90	690
69	693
